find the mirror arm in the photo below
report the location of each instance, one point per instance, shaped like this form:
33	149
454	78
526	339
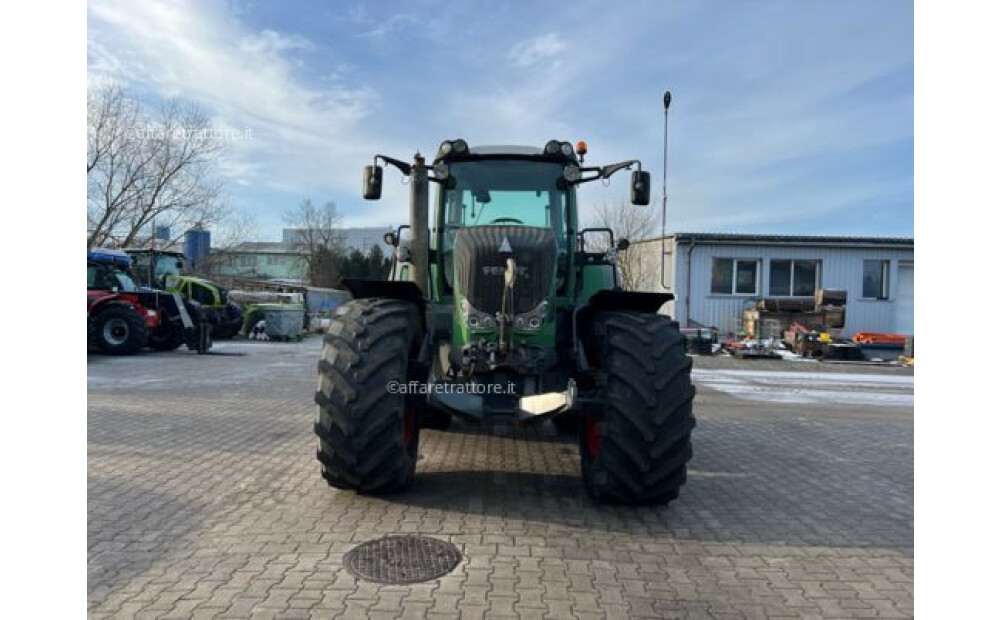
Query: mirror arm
584	179
605	172
402	166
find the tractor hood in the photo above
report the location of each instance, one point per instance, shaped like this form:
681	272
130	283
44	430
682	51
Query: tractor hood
481	254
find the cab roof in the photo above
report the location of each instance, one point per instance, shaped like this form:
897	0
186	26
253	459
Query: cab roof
502	149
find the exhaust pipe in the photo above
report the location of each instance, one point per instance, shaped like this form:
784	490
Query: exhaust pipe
419	231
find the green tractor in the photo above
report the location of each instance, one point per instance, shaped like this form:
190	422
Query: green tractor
164	270
496	312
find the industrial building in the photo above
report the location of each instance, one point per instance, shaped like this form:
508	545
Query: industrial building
714	277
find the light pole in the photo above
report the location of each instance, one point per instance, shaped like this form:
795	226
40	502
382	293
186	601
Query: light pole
663	212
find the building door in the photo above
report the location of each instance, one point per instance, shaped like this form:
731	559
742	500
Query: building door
904	299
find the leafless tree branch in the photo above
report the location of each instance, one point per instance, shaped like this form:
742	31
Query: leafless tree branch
143	168
626	221
318	235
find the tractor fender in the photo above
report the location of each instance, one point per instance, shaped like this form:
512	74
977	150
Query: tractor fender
623	301
128	300
403	290
96	303
632	301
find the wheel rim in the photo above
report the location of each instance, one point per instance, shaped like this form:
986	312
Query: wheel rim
409	425
592	435
115	331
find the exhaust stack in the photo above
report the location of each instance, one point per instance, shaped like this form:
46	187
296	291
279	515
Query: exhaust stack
419	230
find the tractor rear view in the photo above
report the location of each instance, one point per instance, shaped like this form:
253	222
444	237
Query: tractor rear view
497	313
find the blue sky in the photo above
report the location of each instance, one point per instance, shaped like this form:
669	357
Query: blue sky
788	117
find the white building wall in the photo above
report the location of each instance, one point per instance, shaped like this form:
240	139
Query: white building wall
842	268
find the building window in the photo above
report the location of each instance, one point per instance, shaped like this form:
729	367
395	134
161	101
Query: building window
794	278
734	276
876	280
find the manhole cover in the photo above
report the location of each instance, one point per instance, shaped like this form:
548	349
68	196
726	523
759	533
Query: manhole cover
402	559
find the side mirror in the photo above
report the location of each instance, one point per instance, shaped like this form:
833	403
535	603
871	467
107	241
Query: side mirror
371	185
623	244
390	239
640	188
179	265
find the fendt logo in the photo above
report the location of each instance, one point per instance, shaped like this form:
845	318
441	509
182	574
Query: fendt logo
522	272
505	247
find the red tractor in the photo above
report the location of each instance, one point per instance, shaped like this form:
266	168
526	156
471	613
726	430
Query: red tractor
123	318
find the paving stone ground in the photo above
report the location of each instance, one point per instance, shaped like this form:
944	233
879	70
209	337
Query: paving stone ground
205	501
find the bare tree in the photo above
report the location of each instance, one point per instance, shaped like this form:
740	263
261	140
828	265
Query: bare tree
238	227
626	221
116	160
317	234
143	168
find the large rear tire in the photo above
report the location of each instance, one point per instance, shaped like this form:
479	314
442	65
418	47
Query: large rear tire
119	330
168	335
368	436
638	453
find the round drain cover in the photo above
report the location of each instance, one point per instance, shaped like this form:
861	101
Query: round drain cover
402	559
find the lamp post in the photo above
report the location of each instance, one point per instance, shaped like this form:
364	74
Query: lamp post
663	213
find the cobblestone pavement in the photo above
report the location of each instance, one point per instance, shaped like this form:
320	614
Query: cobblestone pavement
205	500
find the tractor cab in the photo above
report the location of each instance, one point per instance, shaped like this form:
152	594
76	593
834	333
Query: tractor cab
153	266
108	277
510	193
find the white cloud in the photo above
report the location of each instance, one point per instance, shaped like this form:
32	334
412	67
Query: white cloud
270	42
305	135
531	51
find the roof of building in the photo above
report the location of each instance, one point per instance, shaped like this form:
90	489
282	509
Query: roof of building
260	247
740	238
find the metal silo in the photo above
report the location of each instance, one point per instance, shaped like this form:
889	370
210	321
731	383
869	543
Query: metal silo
196	246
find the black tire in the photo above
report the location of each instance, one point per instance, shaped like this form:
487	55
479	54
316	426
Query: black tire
119	330
368	437
638	453
230	323
167	336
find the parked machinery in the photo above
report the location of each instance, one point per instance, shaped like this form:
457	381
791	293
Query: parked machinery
165	270
123	317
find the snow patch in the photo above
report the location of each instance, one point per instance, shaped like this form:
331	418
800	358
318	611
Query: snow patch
810	388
